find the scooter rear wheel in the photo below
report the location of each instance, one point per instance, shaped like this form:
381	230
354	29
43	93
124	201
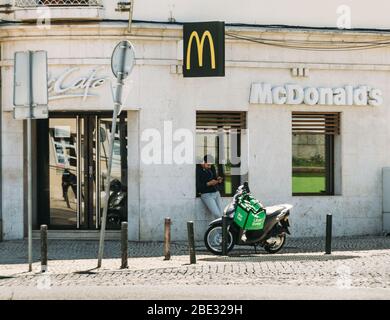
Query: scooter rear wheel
275	244
113	222
213	240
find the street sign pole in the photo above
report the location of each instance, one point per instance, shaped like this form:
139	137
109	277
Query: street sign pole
30	91
122	64
108	182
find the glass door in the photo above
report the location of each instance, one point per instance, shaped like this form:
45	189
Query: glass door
117	209
78	162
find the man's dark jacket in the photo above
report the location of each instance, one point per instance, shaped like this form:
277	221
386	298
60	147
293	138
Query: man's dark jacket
203	176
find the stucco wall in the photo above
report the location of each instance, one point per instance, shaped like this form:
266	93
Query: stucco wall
295	13
12	178
158	94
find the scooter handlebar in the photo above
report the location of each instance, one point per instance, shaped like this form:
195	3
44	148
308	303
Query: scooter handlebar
241	189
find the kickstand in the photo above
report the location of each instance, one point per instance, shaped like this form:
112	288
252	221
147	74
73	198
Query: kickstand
255	249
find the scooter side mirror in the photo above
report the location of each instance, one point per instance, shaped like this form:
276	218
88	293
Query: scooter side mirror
246	186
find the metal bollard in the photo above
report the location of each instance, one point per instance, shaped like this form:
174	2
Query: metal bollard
43	248
328	244
124	245
167	239
191	241
224	236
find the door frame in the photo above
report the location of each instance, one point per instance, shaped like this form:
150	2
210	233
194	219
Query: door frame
43	162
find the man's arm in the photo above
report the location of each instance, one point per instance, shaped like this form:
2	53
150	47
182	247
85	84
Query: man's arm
198	180
217	179
201	181
212	183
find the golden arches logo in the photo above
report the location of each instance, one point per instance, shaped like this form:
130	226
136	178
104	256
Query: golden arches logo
200	45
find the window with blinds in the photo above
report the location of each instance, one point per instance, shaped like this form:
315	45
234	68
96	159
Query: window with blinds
313	145
220	120
219	134
316	123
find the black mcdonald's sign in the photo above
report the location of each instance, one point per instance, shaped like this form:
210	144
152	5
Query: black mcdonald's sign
204	49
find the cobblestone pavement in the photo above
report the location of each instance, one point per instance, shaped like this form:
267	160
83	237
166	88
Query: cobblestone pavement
360	262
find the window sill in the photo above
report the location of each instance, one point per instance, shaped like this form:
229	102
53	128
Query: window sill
222	196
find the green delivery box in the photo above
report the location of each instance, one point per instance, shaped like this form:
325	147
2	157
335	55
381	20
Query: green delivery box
255	221
250	215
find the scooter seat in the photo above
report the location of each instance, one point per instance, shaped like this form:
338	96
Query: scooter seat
274	211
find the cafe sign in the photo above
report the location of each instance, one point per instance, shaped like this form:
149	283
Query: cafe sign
294	94
69	85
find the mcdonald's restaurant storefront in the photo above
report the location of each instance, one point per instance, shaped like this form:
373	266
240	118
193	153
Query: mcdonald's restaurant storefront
305	127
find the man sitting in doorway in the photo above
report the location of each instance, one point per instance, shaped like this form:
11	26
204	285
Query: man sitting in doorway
206	185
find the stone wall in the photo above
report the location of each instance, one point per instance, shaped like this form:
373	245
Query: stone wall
308	146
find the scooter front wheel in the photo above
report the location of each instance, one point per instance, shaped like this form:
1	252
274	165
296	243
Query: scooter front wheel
213	240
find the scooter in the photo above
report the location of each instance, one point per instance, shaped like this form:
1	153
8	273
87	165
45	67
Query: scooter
69	180
117	208
268	227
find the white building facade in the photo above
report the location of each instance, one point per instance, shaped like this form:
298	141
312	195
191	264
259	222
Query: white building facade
334	168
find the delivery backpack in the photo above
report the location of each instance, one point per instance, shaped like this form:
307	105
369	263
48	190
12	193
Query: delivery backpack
249	214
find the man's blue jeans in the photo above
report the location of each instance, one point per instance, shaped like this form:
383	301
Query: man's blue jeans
213	202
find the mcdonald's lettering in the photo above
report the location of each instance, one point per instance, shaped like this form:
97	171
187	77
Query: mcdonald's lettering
204	49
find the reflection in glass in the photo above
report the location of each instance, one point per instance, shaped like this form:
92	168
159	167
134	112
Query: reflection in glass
63	171
309	165
117	208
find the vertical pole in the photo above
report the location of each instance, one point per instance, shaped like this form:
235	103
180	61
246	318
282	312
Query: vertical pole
130	16
97	171
29	166
107	187
124	245
43	248
167	239
224	235
191	241
117	110
1	148
29	193
328	245
78	164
